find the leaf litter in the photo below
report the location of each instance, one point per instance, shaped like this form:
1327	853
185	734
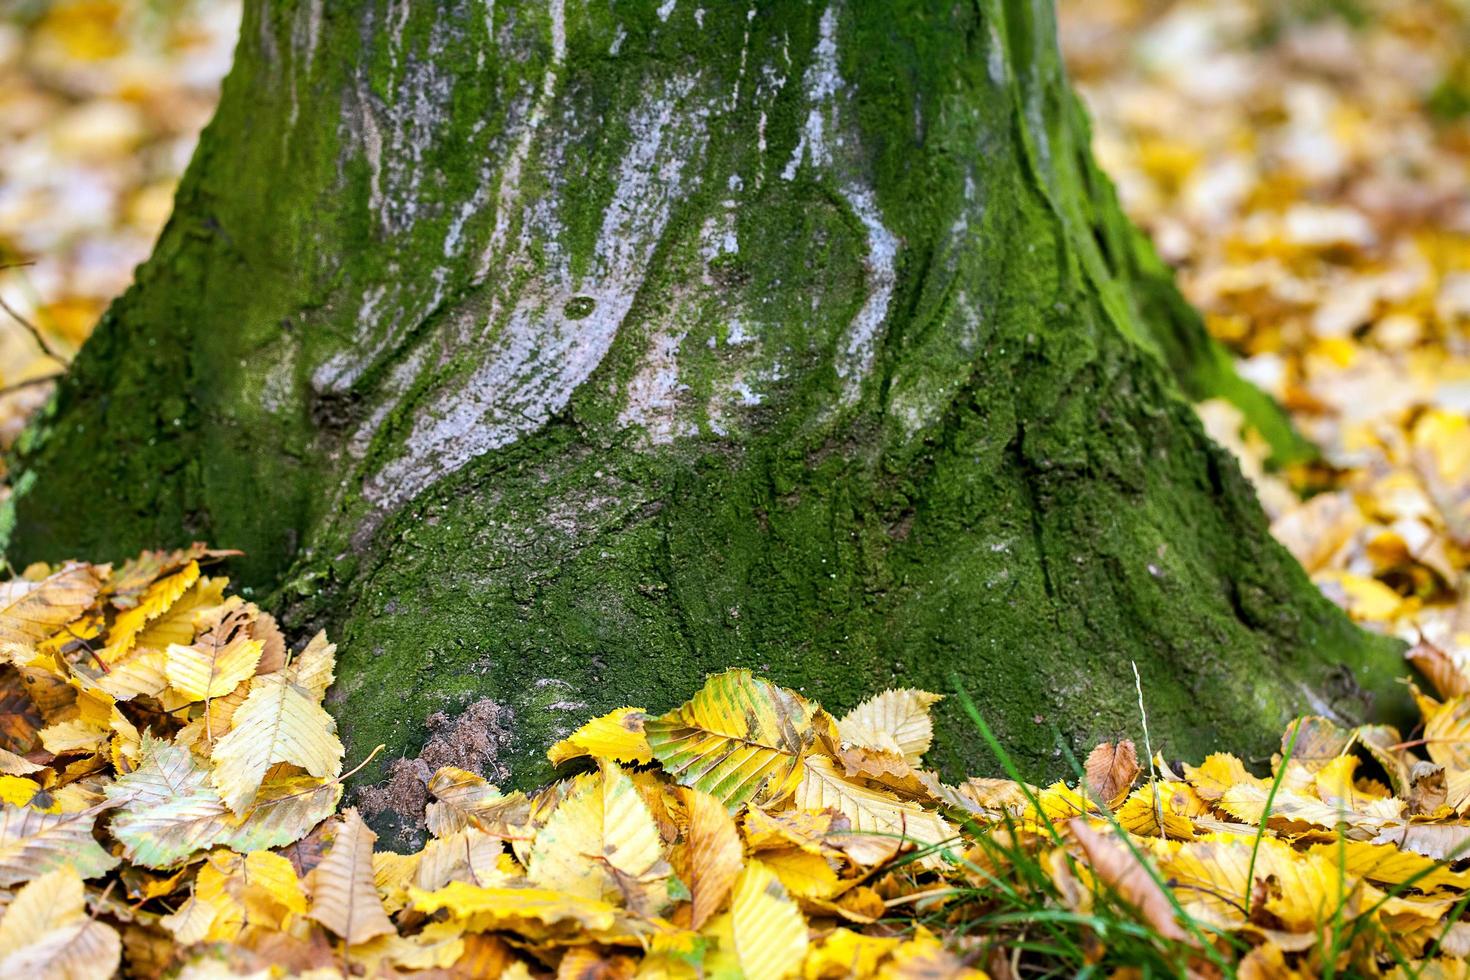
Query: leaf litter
170	788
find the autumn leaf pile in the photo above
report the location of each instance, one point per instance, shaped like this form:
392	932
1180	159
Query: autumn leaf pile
101	102
170	782
1306	168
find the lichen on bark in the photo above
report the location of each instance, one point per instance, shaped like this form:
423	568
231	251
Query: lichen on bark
557	354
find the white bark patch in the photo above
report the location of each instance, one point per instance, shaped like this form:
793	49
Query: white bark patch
562	325
306	31
652	396
510	177
822	144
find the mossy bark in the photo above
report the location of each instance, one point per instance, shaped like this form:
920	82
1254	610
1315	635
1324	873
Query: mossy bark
556	353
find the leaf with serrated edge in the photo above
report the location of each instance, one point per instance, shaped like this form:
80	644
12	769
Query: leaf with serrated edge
741	739
714	854
896	720
169	808
177	624
601	842
465	799
343	897
33	843
156	600
208	670
47	934
285	810
881	820
1111	770
33	612
313	669
278	722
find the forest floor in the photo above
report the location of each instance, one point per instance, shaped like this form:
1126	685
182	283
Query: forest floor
1307	173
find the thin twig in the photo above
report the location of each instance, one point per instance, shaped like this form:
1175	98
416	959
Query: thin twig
33	330
1153	776
921	896
31	382
97	908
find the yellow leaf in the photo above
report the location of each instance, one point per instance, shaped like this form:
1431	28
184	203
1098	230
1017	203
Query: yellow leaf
1447	733
32	611
1365	599
137	672
272	891
392	874
17	790
843	953
767	929
465	855
617	735
1388	865
513	909
740	739
601	842
712	854
1060	802
1181	806
190	923
465	799
127	742
1441	452
73	736
923	957
154	602
1308	889
176	625
881	821
896	720
804	874
1216	774
343	897
46	933
1210	880
1248	802
278	722
313	669
207	670
437	946
807	829
257	890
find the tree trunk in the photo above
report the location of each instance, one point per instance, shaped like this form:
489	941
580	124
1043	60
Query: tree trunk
554	353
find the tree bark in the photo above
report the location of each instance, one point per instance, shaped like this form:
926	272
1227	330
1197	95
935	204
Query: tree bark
554	353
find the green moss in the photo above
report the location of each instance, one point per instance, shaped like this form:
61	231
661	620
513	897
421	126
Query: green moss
1014	496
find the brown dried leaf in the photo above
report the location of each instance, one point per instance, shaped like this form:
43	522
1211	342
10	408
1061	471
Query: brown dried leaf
1111	770
1115	866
